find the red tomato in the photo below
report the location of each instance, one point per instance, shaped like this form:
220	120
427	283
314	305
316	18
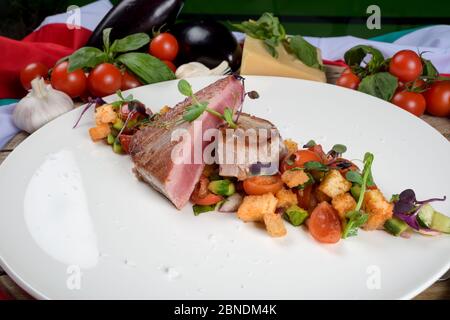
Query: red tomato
299	158
412	102
438	99
324	224
348	80
125	140
104	79
304	197
170	65
262	184
164	46
72	83
129	81
406	65
32	71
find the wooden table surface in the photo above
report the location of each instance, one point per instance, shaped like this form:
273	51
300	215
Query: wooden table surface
439	290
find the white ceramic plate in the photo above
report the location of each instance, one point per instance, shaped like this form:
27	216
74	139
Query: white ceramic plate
76	224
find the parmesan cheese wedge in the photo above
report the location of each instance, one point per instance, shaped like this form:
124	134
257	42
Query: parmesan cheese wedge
256	60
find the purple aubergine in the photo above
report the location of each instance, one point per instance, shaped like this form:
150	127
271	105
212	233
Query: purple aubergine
133	16
207	42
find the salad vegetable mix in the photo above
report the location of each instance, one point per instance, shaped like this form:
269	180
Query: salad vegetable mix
324	191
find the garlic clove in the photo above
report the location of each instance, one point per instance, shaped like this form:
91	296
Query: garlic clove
197	69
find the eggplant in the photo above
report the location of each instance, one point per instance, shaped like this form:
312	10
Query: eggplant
133	16
208	42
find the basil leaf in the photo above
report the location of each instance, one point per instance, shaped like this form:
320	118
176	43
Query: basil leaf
106	38
381	85
305	52
185	88
429	70
354	177
354	56
86	57
130	43
193	112
148	68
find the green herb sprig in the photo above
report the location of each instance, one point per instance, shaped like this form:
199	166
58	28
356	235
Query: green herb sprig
198	107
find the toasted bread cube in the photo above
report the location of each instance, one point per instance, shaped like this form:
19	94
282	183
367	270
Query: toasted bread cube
286	198
274	224
99	132
334	184
164	110
105	115
378	209
291	145
343	203
253	208
294	178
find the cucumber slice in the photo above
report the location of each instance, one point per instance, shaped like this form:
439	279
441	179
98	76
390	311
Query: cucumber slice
425	216
440	222
395	226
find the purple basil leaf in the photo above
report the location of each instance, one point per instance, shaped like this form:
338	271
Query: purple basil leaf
403	207
407	195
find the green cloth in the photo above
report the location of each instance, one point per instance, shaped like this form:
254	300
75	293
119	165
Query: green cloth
392	36
4	102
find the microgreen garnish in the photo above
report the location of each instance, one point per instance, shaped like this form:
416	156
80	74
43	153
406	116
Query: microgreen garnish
356	218
122	100
97	102
315	166
197	108
354	177
406	207
311	143
339	148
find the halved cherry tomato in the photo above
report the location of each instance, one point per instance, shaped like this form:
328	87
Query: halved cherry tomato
209	200
343	170
202	196
304	197
262	184
32	71
319	151
324	224
299	158
125	140
170	65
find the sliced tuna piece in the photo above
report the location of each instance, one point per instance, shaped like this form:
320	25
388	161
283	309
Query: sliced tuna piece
151	148
259	158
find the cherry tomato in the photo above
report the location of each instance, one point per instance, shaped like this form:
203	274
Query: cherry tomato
438	99
317	148
104	79
170	65
164	46
129	81
125	140
262	184
304	197
31	72
299	158
324	224
71	83
202	196
412	102
348	80
406	65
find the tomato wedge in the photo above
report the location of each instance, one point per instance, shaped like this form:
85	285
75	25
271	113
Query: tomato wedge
299	158
304	197
262	184
125	140
208	200
324	224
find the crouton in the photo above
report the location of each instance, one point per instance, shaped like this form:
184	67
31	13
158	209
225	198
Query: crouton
291	145
286	198
274	224
105	115
378	209
164	110
253	208
343	203
99	132
294	178
334	184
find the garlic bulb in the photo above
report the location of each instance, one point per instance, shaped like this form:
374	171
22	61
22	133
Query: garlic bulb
197	69
41	105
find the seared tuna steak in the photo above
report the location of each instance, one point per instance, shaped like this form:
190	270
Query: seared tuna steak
151	148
